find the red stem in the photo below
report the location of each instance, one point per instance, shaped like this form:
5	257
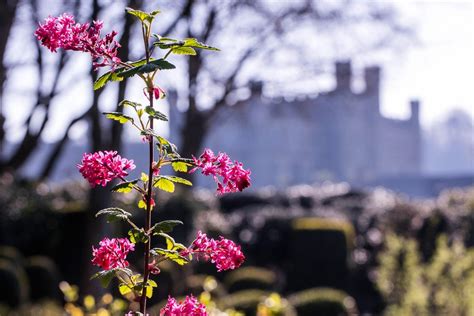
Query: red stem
146	273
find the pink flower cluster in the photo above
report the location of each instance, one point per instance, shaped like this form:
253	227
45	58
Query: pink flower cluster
63	32
101	167
224	253
112	253
189	307
233	176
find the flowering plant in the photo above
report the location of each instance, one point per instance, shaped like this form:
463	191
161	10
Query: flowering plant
101	168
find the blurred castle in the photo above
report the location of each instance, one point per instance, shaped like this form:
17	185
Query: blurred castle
340	135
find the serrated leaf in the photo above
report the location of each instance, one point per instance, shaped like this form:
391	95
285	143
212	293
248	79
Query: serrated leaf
146	68
105	277
180	166
142	204
124	289
192	42
108	76
130	103
138	13
137	235
144	177
168	146
102	80
155	114
164	184
118	116
149	132
170	254
114	213
149	291
165	226
182	50
179	180
169	240
162	64
124	187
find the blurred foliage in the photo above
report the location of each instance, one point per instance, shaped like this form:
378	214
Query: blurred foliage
332	226
250	277
323	301
442	286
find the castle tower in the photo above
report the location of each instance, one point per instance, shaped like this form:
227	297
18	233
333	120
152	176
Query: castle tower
372	86
415	111
343	76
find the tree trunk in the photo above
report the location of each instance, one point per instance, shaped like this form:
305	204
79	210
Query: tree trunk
7	17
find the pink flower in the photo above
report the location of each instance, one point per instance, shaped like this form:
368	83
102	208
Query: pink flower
112	253
233	177
224	253
63	32
190	307
156	91
101	167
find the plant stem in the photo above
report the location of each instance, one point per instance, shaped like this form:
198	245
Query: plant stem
146	271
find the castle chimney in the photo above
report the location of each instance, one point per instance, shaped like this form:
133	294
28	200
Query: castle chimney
372	79
415	111
343	75
256	88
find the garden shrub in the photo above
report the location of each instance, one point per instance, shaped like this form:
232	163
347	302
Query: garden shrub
244	301
442	286
250	278
44	277
319	251
14	287
322	302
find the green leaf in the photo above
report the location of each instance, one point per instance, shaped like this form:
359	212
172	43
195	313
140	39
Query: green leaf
164	184
165	226
167	146
143	16
180	166
162	64
118	116
169	240
177	180
114	213
124	289
173	255
108	76
182	50
104	277
146	68
149	291
139	14
102	80
155	114
130	103
137	235
192	42
124	187
144	177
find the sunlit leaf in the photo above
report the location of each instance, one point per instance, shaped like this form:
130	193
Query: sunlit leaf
164	184
165	226
114	213
155	114
124	187
118	116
